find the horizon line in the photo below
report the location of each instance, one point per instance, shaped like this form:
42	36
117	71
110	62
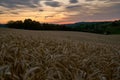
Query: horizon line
63	23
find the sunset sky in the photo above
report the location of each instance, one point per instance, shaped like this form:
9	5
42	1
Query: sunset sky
59	11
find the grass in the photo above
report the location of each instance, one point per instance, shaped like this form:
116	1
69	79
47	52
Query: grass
26	55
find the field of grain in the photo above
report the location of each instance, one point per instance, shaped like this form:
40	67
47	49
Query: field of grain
58	55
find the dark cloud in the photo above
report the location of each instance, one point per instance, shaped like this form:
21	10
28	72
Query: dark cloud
1	12
41	10
46	17
73	6
53	3
14	3
14	12
73	1
89	0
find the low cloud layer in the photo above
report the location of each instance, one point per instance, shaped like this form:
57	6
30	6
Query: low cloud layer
73	1
52	4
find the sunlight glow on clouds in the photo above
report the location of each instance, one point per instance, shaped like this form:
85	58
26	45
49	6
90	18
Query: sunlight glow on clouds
59	11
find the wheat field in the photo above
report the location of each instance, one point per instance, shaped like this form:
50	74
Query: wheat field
58	55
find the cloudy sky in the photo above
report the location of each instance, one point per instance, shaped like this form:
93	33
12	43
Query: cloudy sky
59	11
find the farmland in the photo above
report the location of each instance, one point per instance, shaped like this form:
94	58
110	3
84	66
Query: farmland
58	55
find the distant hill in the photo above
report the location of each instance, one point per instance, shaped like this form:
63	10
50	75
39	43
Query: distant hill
110	27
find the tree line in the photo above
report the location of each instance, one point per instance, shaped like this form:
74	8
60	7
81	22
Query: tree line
111	27
29	24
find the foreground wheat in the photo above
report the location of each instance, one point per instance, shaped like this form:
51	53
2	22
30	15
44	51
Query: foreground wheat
44	59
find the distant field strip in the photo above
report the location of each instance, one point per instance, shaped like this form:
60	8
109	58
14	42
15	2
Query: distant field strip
58	55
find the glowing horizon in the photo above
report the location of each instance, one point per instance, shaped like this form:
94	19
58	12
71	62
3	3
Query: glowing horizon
56	11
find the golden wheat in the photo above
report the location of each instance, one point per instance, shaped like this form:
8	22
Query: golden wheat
27	58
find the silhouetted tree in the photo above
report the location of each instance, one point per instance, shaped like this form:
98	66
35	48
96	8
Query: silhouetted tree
10	24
